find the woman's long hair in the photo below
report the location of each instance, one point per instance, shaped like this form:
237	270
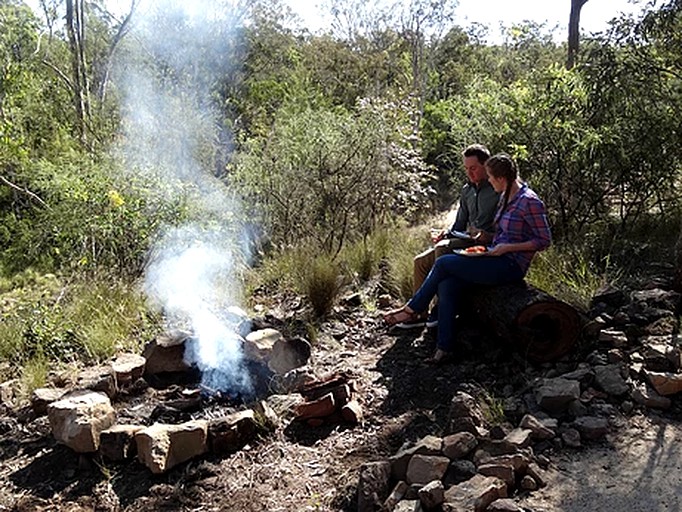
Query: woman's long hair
502	166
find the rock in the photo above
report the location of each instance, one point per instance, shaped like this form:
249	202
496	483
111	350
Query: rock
504	472
165	354
583	373
476	494
554	395
42	397
665	383
162	447
594	327
373	485
320	408
432	494
613	338
408	506
504	505
591	427
396	495
659	356
519	437
466	414
429	445
9	392
518	461
238	320
610	296
258	345
609	379
644	395
496	447
528	483
285	406
294	380
536	473
459	471
117	443
98	378
538	430
657	298
289	354
571	438
78	419
456	446
352	412
666	325
128	368
422	469
230	433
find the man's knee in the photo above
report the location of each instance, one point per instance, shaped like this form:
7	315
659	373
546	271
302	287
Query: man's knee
425	257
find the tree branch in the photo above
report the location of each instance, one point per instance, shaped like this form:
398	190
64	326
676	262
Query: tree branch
24	191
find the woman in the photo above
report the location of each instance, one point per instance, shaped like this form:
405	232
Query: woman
521	231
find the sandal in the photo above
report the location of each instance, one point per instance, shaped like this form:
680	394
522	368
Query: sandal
398	316
441	357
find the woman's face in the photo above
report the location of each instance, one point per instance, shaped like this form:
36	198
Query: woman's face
499	184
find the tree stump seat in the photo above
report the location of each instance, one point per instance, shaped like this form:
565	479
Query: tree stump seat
542	327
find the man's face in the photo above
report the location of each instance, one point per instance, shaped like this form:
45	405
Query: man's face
475	169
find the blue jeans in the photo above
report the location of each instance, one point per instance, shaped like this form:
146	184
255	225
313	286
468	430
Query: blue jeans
450	278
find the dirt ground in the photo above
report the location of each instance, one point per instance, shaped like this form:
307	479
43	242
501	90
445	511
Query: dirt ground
636	468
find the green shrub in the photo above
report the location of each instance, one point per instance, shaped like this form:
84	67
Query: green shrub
321	281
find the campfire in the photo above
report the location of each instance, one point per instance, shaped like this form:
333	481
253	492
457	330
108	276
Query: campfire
164	408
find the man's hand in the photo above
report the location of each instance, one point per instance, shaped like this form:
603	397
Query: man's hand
482	237
437	235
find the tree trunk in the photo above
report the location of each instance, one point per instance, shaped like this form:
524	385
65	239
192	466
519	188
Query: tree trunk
75	27
574	32
543	327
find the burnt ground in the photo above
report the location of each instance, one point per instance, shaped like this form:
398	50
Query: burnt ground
303	468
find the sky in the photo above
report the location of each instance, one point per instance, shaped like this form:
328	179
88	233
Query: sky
595	14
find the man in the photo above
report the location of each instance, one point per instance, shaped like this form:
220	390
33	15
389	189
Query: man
473	224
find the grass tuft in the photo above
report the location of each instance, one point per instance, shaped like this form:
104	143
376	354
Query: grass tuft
567	274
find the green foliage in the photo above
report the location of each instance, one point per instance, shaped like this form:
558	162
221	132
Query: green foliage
324	177
86	320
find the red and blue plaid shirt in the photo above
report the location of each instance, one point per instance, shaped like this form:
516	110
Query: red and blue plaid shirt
524	219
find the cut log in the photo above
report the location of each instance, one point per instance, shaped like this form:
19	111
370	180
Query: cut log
543	327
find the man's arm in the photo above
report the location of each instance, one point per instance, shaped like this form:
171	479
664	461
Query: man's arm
462	218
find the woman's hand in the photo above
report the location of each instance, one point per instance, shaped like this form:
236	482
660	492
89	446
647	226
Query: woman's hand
500	249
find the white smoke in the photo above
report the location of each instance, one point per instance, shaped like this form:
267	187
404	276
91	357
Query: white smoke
171	132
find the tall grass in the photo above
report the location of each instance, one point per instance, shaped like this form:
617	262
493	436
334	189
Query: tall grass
569	275
83	320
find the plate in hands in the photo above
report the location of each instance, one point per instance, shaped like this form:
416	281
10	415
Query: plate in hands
463	252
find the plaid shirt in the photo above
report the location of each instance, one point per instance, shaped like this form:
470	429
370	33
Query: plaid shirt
524	219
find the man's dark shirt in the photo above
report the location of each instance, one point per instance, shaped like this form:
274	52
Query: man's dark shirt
477	207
